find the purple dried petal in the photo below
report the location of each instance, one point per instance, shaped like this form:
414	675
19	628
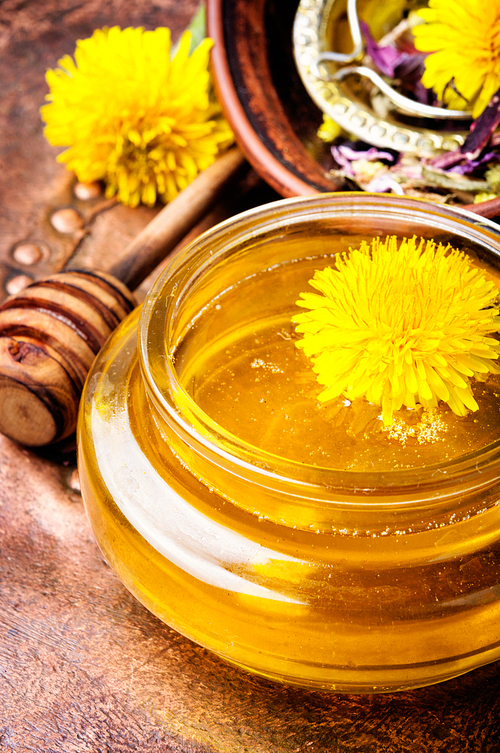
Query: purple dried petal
344	155
462	163
448	159
482	128
341	160
410	72
373	154
385	58
469	165
347	152
464	169
406	66
411	65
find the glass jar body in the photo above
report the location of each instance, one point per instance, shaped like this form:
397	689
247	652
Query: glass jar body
323	580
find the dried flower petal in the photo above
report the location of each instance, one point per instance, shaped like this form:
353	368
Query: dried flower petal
345	155
482	128
387	58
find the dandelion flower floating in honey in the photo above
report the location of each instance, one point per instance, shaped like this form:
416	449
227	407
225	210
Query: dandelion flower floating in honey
463	39
401	325
133	116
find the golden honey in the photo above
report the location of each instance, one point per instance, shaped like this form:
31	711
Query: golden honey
307	543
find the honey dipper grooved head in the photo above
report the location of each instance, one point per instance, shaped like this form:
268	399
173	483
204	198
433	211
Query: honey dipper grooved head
49	335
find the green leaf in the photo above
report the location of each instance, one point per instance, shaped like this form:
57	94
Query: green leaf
198	28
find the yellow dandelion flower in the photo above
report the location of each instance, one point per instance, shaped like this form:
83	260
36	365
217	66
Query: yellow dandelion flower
401	325
463	37
133	116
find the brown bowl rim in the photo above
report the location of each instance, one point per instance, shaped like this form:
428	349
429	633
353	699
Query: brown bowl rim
266	164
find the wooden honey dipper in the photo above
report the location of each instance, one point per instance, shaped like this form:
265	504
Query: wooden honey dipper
51	331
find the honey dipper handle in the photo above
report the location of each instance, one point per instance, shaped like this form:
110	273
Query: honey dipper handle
175	220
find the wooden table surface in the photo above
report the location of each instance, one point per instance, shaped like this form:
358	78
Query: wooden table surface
83	666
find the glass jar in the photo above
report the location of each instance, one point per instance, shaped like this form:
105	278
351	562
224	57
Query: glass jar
334	578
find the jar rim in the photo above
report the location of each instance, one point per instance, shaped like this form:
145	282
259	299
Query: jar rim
476	469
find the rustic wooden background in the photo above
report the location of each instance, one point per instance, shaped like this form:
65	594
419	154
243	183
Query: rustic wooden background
83	667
